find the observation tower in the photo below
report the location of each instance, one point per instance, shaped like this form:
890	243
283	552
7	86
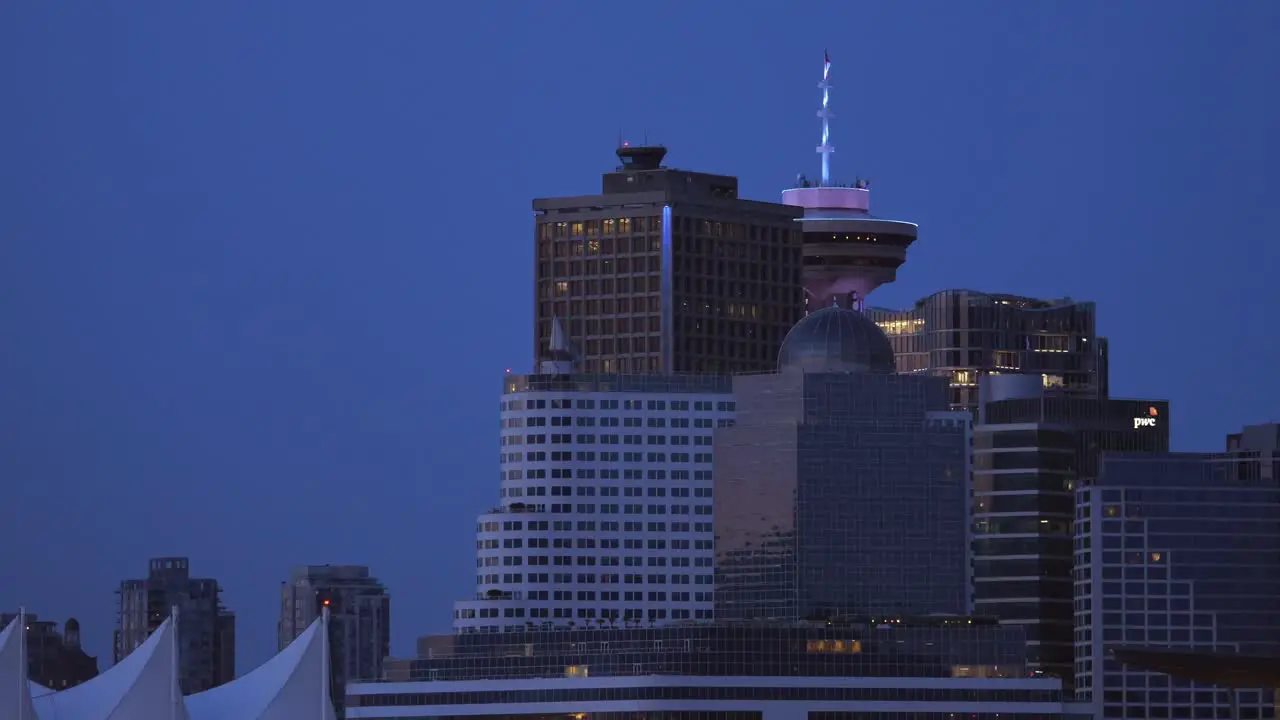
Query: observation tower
848	252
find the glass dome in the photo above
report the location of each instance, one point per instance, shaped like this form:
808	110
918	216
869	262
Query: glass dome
836	340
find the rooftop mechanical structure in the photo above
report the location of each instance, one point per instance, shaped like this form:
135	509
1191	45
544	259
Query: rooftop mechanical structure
847	251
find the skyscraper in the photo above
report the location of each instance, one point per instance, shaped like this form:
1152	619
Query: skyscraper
1032	448
1181	552
206	629
842	488
605	501
666	271
963	335
359	618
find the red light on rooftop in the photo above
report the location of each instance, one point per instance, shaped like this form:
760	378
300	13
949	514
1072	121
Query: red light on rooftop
1153	412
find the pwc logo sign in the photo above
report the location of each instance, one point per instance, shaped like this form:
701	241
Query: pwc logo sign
1148	421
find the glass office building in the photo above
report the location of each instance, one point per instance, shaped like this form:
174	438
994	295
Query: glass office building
1181	551
965	335
905	670
842	487
1031	448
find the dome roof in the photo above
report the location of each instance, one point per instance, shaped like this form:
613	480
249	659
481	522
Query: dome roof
835	340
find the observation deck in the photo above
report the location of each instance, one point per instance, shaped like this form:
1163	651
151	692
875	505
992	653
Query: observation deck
848	252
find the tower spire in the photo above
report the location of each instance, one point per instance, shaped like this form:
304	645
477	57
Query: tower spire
825	113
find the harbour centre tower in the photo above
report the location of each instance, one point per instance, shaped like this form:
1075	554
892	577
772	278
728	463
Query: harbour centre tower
848	252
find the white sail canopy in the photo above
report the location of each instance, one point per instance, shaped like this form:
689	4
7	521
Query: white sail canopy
142	686
293	685
15	689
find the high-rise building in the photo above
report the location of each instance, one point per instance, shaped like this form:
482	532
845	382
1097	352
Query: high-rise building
54	659
963	335
842	487
666	271
1032	448
359	618
206	629
605	501
1180	552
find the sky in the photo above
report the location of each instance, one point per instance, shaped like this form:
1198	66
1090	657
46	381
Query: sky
263	264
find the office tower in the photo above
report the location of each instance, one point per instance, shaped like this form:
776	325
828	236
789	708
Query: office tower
847	251
605	500
1179	552
666	271
359	618
54	659
842	487
206	629
1032	448
963	335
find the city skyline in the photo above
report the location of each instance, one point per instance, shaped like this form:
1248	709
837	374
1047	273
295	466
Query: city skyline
134	353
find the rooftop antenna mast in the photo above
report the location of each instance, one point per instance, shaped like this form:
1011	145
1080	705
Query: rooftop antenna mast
22	657
825	113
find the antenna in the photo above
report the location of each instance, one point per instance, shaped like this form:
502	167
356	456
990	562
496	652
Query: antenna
22	657
326	679
175	694
825	113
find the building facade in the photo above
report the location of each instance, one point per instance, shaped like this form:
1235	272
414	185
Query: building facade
1032	448
789	671
605	503
963	335
206	629
55	659
842	488
359	618
1179	551
666	271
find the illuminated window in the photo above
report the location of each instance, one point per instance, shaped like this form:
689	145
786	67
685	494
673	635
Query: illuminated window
850	647
576	671
1052	381
901	327
562	288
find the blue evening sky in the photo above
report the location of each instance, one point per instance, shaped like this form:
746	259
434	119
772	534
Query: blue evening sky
263	264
